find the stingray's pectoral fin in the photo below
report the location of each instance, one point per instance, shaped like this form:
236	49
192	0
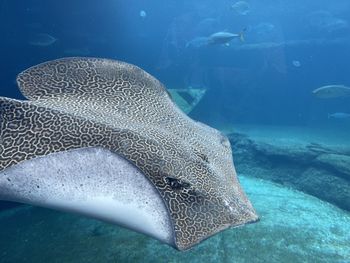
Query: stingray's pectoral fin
93	182
165	175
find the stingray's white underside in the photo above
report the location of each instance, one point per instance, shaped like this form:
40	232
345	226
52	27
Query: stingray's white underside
94	182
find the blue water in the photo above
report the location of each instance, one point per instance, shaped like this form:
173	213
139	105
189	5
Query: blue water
290	48
259	85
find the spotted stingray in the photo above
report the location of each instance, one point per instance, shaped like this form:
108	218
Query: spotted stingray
103	138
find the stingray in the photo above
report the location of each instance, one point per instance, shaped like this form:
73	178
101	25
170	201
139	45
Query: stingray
103	138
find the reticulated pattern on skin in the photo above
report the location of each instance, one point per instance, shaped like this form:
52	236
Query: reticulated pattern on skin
86	102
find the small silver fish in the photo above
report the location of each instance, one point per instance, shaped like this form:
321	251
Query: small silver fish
224	37
42	40
331	91
339	115
241	7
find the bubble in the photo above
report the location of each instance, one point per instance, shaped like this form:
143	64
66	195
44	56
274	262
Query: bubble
296	63
143	13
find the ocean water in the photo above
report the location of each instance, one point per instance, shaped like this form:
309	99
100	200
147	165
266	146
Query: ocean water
291	148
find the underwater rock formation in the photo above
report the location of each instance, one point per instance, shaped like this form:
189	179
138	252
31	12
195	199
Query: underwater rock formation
320	170
339	162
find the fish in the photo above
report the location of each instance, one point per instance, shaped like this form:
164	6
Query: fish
325	22
224	37
241	7
264	28
104	139
197	42
206	26
42	40
331	91
339	115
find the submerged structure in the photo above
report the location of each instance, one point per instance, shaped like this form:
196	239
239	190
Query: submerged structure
103	138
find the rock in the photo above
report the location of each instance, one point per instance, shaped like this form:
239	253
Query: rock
275	152
303	165
326	186
339	162
294	227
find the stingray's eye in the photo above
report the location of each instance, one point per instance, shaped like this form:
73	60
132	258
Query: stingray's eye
176	184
